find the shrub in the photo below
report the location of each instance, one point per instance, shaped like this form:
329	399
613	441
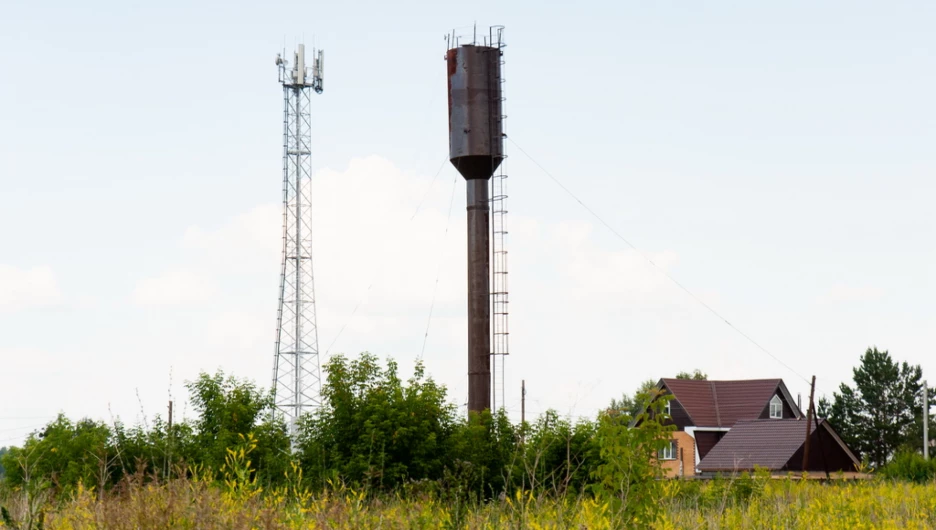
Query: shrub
909	466
559	456
374	430
62	453
629	476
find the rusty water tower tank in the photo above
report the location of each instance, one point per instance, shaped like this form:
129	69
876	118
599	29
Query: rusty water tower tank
476	148
476	139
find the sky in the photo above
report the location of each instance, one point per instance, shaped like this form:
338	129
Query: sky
775	159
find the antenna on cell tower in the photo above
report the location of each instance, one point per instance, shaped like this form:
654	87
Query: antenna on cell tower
297	380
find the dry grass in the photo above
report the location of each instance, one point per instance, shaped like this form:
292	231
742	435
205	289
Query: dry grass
200	504
806	504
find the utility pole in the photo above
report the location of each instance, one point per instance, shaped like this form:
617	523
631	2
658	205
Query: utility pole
522	406
809	412
925	421
169	447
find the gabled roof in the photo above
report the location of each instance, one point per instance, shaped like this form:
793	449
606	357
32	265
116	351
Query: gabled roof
724	403
765	443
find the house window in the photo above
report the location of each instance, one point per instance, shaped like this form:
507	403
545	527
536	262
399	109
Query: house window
776	408
669	451
667	409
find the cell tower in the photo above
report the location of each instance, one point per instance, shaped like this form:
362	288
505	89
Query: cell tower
297	379
476	149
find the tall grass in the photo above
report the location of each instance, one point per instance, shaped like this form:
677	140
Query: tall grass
197	502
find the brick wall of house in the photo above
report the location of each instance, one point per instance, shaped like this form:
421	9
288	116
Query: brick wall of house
685	454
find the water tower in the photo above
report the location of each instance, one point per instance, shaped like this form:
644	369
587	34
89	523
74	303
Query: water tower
476	149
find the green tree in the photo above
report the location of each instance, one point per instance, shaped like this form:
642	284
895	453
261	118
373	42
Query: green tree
883	411
632	404
696	375
628	477
63	453
229	411
374	430
155	449
560	456
483	456
3	451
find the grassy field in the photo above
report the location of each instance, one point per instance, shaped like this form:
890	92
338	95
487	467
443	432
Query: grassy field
199	504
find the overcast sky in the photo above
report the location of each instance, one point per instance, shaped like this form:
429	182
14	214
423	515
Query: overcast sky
775	158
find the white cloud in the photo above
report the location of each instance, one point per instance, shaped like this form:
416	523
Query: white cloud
370	252
239	330
595	272
249	241
363	230
29	368
851	294
590	318
27	288
570	294
176	287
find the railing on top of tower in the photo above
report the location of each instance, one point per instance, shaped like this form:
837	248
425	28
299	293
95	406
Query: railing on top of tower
469	36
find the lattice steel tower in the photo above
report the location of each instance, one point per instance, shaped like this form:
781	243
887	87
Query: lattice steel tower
297	377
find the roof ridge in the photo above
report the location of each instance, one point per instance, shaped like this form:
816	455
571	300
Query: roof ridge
769	443
712	379
772	420
700	381
670	390
715	399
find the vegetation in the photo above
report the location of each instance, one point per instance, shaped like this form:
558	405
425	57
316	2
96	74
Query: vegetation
696	375
628	475
3	451
633	405
742	502
384	452
229	410
375	433
910	466
64	453
883	412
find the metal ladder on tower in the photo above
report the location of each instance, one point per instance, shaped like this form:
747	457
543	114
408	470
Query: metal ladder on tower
500	336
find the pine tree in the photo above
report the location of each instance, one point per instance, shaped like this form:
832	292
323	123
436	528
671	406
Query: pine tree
880	414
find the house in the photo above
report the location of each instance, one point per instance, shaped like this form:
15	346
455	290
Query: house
705	411
778	445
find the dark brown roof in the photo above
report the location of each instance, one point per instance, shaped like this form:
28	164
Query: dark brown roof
723	403
765	443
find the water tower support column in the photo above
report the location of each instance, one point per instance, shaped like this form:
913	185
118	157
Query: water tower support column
479	313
